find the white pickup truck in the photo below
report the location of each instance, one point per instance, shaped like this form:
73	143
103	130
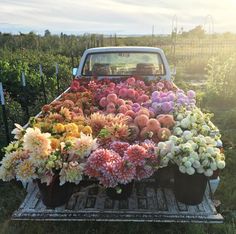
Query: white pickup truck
115	62
148	203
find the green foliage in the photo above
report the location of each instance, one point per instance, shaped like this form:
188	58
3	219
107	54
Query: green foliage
19	98
221	77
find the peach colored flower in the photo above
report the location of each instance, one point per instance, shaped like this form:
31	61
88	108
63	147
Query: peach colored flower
37	144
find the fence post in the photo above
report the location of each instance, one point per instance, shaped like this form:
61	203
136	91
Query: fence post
25	106
4	114
57	78
42	83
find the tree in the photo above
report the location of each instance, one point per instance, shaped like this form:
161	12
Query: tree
47	33
198	32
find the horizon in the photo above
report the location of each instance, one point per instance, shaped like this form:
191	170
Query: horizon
121	17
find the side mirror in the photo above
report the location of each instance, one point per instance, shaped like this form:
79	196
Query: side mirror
74	71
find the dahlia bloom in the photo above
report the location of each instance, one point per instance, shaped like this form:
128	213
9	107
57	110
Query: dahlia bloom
126	172
81	147
143	172
119	147
71	172
37	144
136	154
105	164
26	171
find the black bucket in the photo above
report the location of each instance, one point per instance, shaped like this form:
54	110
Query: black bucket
189	189
55	195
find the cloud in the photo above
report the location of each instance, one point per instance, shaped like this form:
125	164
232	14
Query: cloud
110	16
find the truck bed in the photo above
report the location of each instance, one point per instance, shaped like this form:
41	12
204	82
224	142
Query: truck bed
148	203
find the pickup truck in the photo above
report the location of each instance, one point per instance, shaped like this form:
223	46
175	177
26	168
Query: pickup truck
148	203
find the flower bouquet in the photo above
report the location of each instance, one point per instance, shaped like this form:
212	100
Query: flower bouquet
52	152
194	151
116	168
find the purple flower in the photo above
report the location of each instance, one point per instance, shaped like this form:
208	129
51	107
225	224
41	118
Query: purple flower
164	99
155	94
166	107
171	96
191	94
136	107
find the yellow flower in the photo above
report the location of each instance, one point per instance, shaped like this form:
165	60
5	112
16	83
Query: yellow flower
72	134
58	128
71	127
87	130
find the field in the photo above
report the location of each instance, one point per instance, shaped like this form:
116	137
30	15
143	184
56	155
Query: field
206	65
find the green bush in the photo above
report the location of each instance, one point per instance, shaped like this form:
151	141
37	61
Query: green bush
221	75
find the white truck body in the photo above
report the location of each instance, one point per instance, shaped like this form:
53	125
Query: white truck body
126	49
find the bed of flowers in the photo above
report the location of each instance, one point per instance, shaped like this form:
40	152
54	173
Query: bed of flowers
116	133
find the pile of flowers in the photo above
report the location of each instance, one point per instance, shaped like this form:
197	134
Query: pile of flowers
195	144
115	132
122	163
39	155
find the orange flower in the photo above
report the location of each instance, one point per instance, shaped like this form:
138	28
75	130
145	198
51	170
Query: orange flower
55	143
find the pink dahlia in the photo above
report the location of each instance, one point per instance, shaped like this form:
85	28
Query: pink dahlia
97	158
149	145
151	155
104	165
119	147
135	154
126	172
143	172
110	169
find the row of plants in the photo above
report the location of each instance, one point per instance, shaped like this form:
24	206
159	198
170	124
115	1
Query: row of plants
24	101
115	133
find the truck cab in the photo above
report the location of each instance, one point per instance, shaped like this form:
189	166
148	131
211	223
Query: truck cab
118	62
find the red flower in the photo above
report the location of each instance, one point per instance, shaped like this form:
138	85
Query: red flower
75	85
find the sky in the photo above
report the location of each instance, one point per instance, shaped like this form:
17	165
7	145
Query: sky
116	16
